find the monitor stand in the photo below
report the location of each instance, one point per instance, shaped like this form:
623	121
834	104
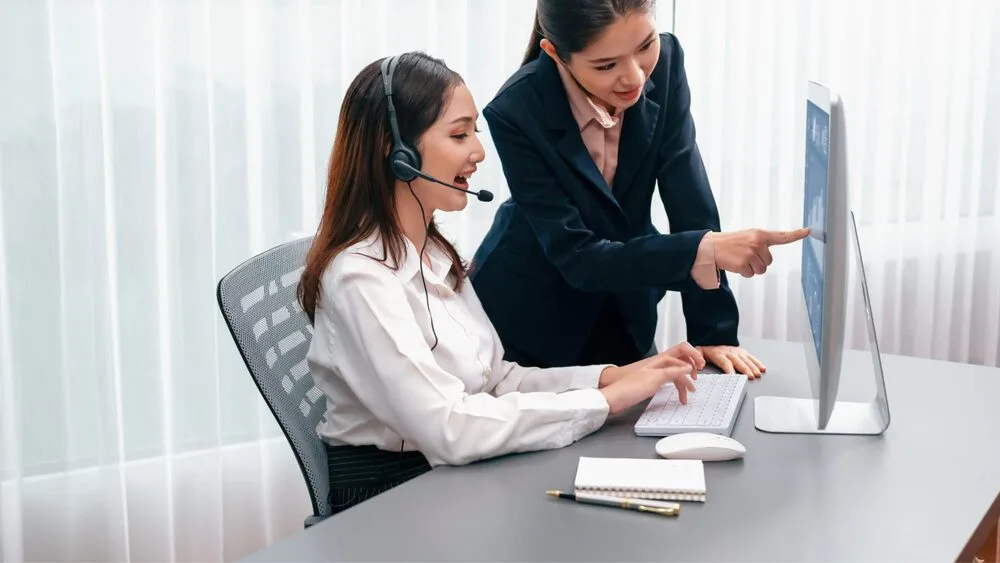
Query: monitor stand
789	415
786	415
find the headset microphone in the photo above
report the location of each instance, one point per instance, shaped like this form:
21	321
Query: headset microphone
481	195
404	160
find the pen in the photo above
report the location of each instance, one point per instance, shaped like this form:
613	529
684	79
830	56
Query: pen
641	505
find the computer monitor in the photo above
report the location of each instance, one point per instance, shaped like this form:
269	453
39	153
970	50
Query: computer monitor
824	252
824	283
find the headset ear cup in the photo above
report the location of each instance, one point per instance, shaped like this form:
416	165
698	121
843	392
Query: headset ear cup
404	154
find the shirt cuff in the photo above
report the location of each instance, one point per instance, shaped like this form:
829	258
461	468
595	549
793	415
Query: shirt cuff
704	272
591	412
588	377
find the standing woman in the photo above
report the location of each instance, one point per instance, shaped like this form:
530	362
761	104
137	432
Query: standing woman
572	269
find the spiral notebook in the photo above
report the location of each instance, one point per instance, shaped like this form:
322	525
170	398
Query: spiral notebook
661	479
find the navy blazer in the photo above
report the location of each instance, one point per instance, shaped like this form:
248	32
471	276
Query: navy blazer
566	245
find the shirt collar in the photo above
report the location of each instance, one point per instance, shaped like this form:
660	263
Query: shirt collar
440	263
584	109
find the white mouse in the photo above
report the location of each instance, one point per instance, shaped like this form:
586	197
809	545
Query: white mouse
700	445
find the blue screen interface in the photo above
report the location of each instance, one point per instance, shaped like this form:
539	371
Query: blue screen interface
814	217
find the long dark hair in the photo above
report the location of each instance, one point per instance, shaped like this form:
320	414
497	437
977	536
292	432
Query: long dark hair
572	25
360	189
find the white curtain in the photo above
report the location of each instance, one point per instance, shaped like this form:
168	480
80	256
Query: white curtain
148	146
920	83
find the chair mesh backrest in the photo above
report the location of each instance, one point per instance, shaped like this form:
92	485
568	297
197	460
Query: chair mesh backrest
272	333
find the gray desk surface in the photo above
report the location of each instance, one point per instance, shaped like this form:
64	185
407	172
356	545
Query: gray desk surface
919	492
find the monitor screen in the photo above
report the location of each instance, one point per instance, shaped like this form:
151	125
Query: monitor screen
814	215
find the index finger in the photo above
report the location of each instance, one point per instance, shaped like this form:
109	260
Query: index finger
682	391
696	354
689	353
666	360
684	386
786	237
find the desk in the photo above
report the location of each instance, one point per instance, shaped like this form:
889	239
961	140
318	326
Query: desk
925	490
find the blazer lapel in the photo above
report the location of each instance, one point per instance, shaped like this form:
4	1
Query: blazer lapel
571	147
637	133
559	117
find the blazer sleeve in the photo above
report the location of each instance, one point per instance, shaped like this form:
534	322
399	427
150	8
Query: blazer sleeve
712	315
587	261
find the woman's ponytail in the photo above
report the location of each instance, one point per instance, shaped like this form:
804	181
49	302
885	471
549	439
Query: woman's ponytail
534	44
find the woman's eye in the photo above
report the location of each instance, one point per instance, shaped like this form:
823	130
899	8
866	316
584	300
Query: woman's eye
463	136
608	66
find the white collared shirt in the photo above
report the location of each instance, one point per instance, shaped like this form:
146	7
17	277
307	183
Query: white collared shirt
371	356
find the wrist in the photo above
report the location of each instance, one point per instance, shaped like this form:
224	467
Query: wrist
720	250
715	252
705	271
609	375
610	396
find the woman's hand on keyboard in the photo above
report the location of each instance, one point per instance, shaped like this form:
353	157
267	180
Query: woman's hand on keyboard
626	386
732	359
683	351
686	352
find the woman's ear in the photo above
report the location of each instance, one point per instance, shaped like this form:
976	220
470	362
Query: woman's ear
549	49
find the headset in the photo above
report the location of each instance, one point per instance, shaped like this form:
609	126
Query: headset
404	160
405	163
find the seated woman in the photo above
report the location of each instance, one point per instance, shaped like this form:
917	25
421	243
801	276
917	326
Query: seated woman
411	366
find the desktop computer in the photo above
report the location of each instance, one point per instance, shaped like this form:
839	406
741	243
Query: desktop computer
824	281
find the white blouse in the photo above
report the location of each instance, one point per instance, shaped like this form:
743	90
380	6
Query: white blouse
371	356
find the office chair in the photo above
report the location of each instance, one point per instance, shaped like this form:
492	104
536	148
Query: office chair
272	333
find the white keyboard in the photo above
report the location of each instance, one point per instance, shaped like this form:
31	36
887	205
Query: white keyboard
712	408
